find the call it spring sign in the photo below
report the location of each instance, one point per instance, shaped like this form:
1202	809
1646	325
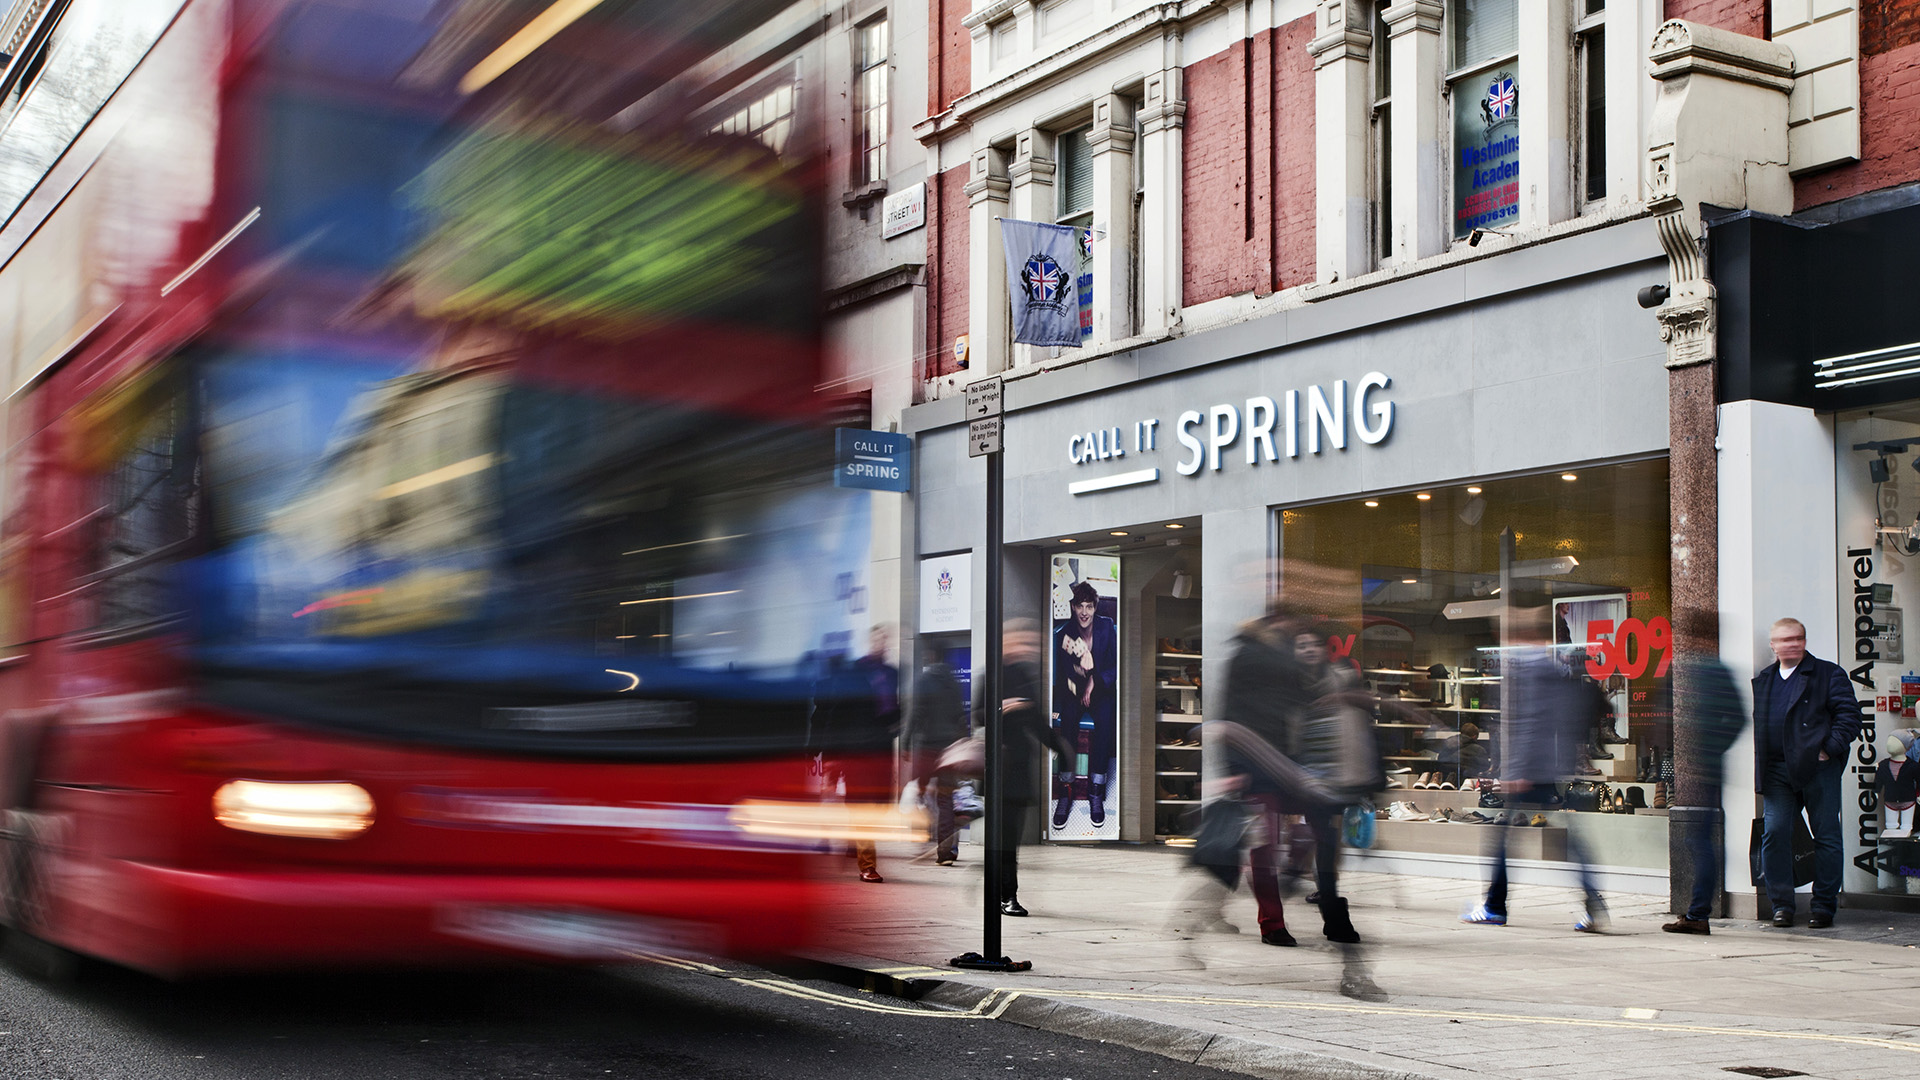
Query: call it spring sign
1261	430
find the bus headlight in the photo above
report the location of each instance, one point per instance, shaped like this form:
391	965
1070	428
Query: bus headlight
825	821
316	811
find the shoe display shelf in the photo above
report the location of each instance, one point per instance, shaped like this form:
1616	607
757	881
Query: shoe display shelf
1176	742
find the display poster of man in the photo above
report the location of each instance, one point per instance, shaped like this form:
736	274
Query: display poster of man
1085	664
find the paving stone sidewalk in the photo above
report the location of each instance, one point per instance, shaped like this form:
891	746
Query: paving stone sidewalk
1130	945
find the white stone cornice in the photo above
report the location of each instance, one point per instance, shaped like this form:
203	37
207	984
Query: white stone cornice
1070	59
1348	43
1409	16
992	13
1685	48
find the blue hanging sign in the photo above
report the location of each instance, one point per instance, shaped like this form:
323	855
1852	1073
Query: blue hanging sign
873	460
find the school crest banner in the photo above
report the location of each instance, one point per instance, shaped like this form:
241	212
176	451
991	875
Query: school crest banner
1041	262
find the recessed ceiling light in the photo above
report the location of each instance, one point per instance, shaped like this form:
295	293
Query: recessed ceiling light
1409	581
1423	496
1175	525
1473	491
1568	476
1373	502
1068	540
1117	532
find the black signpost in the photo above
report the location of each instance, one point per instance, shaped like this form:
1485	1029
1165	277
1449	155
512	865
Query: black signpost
983	440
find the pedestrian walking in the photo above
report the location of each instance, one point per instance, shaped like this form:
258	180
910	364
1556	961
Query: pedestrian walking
1804	719
1548	714
936	720
1705	697
1026	734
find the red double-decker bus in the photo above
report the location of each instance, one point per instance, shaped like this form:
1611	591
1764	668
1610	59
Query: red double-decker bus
417	545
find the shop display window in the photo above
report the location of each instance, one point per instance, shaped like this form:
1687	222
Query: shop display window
1420	588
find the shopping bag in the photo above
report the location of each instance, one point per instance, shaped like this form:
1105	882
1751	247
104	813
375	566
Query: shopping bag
910	797
1802	853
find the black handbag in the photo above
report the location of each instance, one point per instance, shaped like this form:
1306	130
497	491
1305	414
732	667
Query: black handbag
1586	795
1217	842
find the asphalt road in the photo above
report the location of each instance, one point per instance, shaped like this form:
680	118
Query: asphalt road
641	1021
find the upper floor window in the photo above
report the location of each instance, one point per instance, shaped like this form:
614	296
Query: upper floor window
871	86
768	117
1382	142
1591	35
1485	90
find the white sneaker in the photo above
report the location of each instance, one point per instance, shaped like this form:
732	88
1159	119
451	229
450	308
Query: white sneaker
1404	811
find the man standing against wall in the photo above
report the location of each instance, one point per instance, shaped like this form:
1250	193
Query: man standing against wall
1804	719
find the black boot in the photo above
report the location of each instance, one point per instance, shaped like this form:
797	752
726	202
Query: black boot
1333	911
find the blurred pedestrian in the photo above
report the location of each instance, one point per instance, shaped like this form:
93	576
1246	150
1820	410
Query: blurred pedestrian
1548	714
937	720
1085	668
1024	738
1804	719
856	717
1707	703
1289	734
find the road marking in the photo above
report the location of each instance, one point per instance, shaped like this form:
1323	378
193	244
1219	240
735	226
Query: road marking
991	1007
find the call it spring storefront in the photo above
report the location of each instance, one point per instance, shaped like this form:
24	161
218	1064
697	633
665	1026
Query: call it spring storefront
1406	481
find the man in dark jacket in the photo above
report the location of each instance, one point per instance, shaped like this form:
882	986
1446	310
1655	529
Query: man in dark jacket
936	721
1804	719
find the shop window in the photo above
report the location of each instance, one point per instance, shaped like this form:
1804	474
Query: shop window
1426	591
1486	94
871	86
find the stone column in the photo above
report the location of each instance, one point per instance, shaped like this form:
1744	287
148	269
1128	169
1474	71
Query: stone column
1546	115
1112	142
1163	117
1032	199
988	316
1343	92
1420	218
1718	136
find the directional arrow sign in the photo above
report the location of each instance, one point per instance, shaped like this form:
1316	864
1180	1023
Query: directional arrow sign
983	398
983	436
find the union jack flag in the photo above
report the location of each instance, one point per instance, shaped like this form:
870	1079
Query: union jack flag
1501	98
1043	278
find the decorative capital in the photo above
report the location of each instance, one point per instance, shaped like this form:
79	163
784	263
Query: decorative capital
1408	16
1686	48
1688	330
1346	43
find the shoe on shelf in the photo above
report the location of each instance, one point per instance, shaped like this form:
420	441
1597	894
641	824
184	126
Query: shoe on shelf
1441	815
1062	810
1538	821
1278	936
1473	817
1820	920
1480	916
1011	906
1783	917
1659	796
1688	926
1404	811
871	877
1444	785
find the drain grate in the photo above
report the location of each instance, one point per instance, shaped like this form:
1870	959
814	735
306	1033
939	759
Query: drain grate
1762	1070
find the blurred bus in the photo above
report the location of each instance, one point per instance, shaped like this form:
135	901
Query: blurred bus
417	544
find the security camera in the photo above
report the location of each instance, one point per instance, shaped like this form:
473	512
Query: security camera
1878	469
1654	295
